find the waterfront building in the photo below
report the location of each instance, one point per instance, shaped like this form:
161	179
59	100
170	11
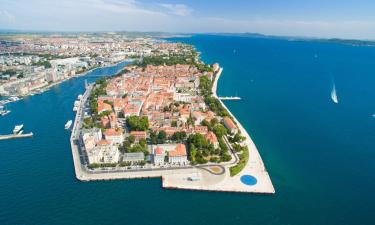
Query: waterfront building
158	155
178	155
229	124
95	132
104	152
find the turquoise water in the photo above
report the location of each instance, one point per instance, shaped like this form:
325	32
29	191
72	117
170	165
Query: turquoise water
320	155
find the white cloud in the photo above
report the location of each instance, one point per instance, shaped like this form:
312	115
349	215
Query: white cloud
178	9
136	15
121	6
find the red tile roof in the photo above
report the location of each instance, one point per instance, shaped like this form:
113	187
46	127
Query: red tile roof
179	151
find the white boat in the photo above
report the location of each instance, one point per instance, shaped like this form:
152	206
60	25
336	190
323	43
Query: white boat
68	124
80	97
17	129
75	108
14	98
4	112
77	103
334	94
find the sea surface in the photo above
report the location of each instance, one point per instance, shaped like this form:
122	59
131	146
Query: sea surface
320	155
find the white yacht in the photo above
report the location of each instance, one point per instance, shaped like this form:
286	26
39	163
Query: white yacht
68	124
17	129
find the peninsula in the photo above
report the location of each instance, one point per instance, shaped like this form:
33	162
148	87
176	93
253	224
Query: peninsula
161	117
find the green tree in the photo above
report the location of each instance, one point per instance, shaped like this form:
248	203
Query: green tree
142	142
220	130
136	123
131	139
162	136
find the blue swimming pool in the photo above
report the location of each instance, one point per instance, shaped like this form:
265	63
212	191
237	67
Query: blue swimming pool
248	180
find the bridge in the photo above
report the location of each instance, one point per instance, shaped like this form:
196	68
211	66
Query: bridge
230	98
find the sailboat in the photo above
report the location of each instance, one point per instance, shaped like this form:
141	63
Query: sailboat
334	95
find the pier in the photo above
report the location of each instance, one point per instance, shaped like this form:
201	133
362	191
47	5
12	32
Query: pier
12	136
230	98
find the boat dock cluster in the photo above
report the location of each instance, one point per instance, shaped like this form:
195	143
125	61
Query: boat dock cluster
3	110
17	133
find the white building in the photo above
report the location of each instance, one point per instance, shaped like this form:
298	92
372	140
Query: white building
96	133
158	155
178	155
114	136
183	97
103	152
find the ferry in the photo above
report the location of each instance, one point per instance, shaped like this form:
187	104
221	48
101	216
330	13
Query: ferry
68	124
17	129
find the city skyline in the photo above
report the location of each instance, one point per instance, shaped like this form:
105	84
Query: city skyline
333	19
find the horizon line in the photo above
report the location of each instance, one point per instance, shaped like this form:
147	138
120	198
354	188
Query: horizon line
3	31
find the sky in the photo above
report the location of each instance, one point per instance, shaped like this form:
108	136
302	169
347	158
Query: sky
354	19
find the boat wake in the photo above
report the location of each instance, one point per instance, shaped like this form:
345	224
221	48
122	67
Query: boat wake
334	94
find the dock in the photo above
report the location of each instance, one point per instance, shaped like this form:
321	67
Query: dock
12	136
230	98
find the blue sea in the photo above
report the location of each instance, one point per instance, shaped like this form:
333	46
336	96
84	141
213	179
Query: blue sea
320	155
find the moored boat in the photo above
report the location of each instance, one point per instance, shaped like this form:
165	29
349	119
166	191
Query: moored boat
17	129
68	124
